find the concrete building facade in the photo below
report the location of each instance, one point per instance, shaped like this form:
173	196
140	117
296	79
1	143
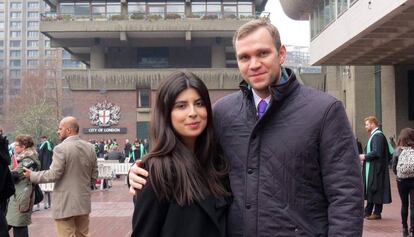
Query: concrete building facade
367	50
129	47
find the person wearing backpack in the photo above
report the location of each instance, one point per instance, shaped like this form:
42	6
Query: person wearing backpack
375	170
403	167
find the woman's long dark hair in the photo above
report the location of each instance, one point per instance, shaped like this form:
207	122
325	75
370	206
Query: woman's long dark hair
175	172
406	138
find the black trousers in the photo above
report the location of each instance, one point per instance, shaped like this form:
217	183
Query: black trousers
406	191
371	206
22	231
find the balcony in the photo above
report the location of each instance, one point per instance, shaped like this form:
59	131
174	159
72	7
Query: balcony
130	79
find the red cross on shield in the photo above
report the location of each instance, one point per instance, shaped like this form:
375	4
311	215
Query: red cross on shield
104	116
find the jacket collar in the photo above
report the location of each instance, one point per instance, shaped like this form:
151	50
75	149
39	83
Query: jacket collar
277	91
71	138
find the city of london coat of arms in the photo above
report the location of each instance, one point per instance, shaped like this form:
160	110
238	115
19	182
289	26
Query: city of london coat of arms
104	114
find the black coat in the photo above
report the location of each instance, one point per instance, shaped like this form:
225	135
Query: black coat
153	218
45	156
378	189
294	172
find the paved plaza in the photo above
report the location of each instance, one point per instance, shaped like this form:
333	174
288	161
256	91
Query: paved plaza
112	211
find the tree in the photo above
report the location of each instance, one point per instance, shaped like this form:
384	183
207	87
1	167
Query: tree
36	110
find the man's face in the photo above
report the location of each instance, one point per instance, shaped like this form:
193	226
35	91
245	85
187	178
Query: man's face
258	60
369	126
63	131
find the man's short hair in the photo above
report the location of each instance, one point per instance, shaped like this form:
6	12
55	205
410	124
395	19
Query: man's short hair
371	119
252	26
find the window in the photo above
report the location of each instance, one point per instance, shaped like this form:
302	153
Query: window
32	43
1	15
33	5
15	43
175	8
143	98
15	34
32	62
14	91
47	43
15	5
16	24
32	34
153	57
1	25
15	83
136	7
33	15
33	24
1	43
48	52
1	62
15	14
198	8
113	8
32	53
15	53
1	5
82	9
1	53
67	8
15	63
14	73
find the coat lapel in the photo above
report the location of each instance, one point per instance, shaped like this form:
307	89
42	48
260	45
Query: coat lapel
209	205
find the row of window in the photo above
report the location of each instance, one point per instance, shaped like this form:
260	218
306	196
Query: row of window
29	53
30	62
30	43
326	12
197	7
30	14
18	24
18	5
30	34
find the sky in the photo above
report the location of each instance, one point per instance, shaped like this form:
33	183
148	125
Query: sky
291	32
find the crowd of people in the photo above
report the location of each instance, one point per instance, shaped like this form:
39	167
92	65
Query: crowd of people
111	150
275	158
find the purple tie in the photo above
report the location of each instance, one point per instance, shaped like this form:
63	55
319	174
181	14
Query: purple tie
261	108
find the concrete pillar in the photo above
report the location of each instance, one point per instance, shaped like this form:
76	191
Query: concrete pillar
389	118
364	80
218	56
124	8
97	57
187	10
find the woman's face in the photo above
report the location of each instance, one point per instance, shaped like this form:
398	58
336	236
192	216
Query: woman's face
189	116
18	148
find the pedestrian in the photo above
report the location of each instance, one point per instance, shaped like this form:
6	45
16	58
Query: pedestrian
375	170
45	156
6	183
293	157
19	211
186	194
404	169
73	169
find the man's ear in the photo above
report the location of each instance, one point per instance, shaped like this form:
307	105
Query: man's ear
282	54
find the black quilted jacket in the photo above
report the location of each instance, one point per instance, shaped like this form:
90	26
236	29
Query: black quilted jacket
294	172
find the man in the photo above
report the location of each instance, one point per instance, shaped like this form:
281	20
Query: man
73	169
294	166
45	156
127	148
375	170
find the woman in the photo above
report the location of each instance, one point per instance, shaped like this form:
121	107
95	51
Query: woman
187	193
20	204
405	184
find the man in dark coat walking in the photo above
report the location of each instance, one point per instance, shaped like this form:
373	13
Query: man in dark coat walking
375	170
